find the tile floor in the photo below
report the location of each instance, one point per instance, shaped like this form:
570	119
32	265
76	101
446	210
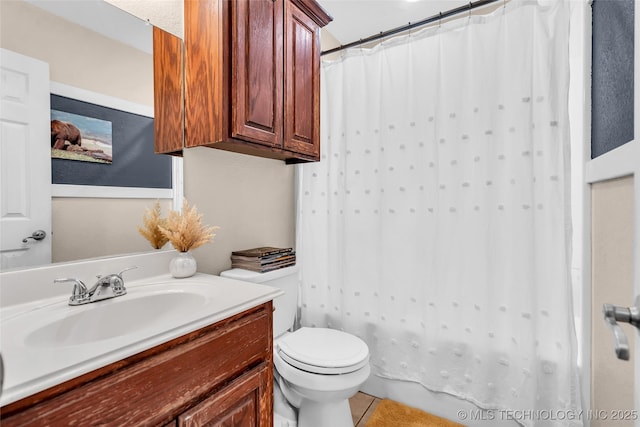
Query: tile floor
362	406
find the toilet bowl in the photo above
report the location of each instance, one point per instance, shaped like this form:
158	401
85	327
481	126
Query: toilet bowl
317	370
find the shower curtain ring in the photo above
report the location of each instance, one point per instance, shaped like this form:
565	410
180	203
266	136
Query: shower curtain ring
440	20
470	7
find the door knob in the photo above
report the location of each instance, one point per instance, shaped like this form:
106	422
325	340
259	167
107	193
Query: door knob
614	314
36	235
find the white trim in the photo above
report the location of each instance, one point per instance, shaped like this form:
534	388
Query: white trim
62	89
580	115
65	190
177	183
622	161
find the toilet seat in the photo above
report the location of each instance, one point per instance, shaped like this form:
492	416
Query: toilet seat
323	351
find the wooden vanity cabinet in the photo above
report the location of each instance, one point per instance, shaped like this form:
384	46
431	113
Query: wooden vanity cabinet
220	375
238	404
252	76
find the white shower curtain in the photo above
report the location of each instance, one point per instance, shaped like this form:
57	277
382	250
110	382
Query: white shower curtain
437	225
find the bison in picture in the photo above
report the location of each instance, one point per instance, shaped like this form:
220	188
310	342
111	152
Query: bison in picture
63	132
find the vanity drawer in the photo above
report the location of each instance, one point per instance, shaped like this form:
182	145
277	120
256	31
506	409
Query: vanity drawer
156	386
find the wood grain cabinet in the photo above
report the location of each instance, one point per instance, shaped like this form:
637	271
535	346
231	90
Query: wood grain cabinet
237	404
252	76
220	375
167	93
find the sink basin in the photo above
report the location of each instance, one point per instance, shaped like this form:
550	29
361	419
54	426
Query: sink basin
114	317
46	342
143	310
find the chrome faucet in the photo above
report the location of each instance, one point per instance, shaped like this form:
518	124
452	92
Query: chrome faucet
79	295
109	286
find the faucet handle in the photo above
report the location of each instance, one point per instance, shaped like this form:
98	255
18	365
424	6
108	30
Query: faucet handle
133	267
100	276
79	293
117	282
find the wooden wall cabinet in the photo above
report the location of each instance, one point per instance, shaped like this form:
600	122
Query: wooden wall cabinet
220	375
252	76
167	93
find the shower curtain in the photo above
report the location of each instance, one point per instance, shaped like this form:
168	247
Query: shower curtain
437	224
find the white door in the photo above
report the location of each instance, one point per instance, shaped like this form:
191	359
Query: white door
612	249
614	218
25	161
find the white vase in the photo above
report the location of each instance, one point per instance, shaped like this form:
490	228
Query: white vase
183	265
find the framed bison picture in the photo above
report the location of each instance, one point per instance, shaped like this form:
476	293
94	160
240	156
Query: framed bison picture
103	147
78	137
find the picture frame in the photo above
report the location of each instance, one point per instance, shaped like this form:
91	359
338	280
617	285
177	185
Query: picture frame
80	138
136	171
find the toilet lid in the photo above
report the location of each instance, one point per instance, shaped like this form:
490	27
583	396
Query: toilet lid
323	351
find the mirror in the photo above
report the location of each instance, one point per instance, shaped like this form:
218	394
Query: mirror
94	46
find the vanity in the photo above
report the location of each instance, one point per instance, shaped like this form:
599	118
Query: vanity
183	352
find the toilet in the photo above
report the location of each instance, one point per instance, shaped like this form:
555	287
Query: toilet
316	370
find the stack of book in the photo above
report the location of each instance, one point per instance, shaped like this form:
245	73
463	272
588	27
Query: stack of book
263	259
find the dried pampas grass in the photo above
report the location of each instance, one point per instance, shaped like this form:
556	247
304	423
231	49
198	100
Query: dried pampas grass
152	223
185	230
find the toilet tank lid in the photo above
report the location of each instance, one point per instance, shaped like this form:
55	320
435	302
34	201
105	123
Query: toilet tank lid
255	277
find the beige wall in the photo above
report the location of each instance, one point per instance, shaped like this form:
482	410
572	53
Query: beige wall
90	228
250	198
612	205
327	40
77	56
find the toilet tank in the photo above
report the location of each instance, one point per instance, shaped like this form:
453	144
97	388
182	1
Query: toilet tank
285	305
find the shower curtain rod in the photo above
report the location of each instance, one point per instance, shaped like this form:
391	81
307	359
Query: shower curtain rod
410	26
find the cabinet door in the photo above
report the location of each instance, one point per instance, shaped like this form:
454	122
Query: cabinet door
167	89
302	83
245	402
256	84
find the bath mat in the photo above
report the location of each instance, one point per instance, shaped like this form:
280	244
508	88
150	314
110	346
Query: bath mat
389	413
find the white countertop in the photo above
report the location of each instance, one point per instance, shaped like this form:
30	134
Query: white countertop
32	367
